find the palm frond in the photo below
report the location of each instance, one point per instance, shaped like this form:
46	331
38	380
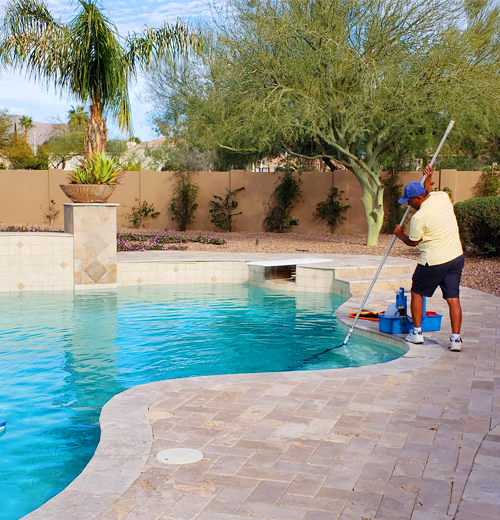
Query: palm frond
84	57
168	40
96	70
31	40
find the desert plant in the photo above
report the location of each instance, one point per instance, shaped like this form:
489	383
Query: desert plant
222	210
96	168
184	200
479	223
52	213
286	193
331	209
141	213
393	192
489	183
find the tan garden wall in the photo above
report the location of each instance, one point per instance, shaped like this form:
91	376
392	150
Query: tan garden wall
23	194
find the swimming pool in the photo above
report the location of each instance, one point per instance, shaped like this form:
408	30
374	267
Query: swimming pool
64	355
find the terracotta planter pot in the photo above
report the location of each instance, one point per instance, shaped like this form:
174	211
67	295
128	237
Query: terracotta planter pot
88	192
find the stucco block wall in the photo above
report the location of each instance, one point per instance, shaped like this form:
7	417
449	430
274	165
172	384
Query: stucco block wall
36	261
24	195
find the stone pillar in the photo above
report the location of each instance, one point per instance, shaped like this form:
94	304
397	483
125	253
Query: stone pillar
93	227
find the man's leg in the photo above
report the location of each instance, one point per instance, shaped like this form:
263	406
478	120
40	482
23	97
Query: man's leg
455	314
451	293
417	309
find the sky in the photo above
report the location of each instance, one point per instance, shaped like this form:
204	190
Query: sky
26	98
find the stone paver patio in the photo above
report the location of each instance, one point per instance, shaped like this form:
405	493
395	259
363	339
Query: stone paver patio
417	438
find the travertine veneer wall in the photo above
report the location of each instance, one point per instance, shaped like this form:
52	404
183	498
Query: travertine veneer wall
94	254
36	261
147	273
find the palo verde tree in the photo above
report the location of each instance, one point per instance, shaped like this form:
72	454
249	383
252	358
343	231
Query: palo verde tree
86	57
342	80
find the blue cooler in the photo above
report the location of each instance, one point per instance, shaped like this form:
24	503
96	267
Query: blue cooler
403	324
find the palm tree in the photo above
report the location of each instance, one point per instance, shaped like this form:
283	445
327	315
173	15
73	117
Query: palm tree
86	57
27	123
77	118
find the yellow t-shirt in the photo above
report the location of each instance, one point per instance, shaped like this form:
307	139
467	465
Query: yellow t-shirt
436	226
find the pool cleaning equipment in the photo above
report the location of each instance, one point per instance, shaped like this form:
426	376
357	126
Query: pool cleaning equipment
396	319
433	160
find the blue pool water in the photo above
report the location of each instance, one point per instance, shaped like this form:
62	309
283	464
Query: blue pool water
64	355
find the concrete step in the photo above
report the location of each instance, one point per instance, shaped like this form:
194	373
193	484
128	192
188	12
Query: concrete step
369	272
358	271
281	281
357	285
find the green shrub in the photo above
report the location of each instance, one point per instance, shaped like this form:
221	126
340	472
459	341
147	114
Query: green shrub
141	213
331	209
183	202
222	209
489	183
479	223
286	193
393	192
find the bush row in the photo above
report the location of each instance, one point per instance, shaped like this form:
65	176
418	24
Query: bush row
223	208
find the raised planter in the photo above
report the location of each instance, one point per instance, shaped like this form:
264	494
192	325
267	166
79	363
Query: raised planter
88	192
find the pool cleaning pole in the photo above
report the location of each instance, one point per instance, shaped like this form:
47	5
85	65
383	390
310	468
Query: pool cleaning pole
448	130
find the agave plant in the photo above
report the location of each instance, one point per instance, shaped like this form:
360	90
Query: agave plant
96	168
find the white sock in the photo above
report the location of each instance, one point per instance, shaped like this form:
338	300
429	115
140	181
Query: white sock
417	329
454	337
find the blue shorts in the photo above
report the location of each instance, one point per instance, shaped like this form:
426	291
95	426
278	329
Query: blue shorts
427	278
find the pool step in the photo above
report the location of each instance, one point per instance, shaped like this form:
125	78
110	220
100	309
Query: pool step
358	285
281	281
344	280
369	272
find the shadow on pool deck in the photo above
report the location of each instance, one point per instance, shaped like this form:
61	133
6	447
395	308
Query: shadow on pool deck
411	439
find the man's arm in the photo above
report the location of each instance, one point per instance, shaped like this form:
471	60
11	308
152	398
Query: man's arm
428	180
400	233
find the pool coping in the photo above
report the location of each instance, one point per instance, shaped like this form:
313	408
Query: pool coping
126	432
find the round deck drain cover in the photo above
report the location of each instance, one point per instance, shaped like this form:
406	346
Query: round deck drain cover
179	456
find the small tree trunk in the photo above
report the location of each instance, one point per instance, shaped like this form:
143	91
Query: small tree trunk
374	212
372	199
96	136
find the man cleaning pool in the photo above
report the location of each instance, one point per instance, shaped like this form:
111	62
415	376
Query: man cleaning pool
434	229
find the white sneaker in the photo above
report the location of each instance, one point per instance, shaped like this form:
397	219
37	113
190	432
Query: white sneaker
415	337
456	345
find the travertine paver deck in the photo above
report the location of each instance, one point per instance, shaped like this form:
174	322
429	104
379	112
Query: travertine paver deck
417	438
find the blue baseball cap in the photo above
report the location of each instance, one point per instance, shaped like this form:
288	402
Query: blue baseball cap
414	189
